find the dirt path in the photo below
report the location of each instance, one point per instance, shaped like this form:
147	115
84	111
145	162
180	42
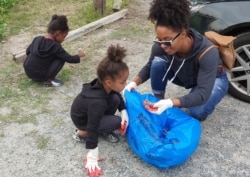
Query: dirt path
223	149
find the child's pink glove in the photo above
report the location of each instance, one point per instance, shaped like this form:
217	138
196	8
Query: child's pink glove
124	122
91	163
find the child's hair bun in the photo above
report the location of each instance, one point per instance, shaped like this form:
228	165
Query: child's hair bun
116	53
54	17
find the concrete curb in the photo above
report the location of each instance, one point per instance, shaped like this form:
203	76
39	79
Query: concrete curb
21	55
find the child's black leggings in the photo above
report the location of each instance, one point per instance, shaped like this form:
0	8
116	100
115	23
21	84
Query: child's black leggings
47	74
110	122
54	69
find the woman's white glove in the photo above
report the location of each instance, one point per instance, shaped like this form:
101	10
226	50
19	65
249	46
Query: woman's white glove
161	106
92	168
131	86
128	87
124	122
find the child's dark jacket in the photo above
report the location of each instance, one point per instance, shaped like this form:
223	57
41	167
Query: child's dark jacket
42	52
90	106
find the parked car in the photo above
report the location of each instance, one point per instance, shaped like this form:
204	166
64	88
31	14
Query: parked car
232	18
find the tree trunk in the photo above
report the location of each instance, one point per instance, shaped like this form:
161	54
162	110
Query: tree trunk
100	6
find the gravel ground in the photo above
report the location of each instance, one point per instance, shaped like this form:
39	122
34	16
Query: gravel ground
223	149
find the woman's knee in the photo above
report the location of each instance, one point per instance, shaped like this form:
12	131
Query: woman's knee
200	114
159	66
158	69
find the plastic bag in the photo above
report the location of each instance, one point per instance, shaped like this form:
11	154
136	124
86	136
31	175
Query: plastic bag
162	140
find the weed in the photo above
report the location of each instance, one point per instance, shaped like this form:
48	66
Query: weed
41	141
2	135
65	74
31	133
57	122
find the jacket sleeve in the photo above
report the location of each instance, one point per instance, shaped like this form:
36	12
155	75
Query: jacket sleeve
63	55
144	73
96	110
205	81
28	50
122	103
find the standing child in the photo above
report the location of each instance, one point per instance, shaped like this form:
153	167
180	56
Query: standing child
46	56
93	109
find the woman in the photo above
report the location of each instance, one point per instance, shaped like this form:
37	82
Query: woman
175	58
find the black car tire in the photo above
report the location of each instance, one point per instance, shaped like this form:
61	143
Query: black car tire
238	76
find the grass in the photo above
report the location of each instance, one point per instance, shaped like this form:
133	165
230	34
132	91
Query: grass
21	99
57	122
18	93
5	5
133	31
40	140
26	15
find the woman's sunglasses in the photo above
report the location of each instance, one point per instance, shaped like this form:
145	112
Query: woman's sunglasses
167	43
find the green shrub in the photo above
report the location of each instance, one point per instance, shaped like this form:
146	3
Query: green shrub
4	6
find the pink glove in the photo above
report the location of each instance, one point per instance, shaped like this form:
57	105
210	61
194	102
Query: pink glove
158	107
124	122
91	165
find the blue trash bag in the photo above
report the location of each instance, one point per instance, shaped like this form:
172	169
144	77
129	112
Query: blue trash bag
164	140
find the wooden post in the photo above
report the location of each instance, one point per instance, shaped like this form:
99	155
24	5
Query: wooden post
100	6
117	5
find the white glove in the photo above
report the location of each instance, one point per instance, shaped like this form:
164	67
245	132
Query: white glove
131	86
124	122
161	106
92	168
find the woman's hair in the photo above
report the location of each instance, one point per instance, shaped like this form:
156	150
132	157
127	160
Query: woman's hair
58	23
170	13
112	64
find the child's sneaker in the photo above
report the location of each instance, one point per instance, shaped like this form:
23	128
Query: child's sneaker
111	137
54	83
79	138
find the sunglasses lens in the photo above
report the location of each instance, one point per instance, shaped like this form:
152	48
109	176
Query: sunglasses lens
167	43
